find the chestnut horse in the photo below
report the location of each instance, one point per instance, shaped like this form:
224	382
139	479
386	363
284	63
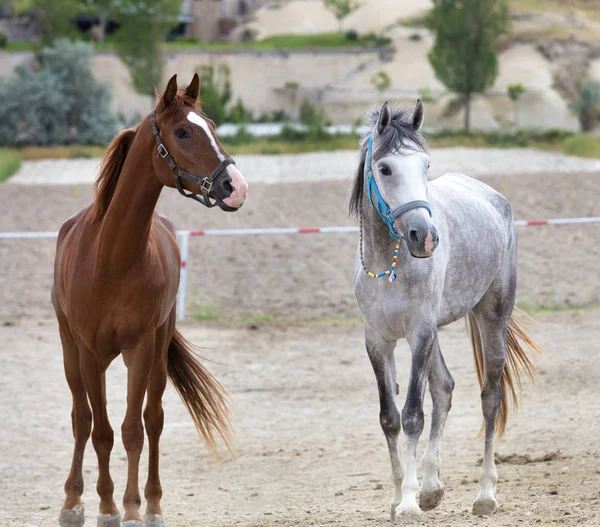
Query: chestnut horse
116	276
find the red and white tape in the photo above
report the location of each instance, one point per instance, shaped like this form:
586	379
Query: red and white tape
184	238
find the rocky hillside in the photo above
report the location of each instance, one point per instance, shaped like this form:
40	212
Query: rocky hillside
552	46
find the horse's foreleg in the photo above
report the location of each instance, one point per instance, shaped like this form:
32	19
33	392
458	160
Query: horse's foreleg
422	345
381	354
138	360
71	514
154	419
102	438
441	385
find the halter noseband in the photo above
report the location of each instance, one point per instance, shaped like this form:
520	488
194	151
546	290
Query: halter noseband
205	183
388	215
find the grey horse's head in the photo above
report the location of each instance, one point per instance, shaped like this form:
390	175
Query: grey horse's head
400	165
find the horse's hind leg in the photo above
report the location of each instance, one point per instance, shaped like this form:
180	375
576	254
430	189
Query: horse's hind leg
441	385
71	514
492	317
381	354
102	438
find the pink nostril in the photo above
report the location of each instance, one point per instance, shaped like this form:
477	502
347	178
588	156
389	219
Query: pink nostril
240	188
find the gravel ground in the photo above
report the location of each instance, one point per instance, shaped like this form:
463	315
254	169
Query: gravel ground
309	447
334	166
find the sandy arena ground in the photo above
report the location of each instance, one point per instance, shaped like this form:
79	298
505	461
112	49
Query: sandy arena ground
309	448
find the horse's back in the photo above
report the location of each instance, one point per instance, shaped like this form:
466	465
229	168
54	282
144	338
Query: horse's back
470	190
477	238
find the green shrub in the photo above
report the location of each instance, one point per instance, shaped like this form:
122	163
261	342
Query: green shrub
242	137
10	163
3	40
216	91
310	114
587	105
59	102
239	113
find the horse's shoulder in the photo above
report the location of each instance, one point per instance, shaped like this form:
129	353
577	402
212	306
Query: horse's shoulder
66	227
166	222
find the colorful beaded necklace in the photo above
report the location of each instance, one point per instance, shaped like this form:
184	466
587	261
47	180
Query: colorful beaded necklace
391	272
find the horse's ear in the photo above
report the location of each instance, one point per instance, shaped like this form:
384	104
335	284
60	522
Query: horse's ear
193	90
170	93
418	115
384	118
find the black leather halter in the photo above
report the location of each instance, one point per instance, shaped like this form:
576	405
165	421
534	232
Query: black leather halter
205	183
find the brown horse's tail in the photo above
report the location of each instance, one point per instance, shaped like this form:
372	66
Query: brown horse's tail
518	362
204	396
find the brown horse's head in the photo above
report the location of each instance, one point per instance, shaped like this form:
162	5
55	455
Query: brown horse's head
191	143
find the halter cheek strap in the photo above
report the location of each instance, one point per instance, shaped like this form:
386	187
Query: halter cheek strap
387	215
205	184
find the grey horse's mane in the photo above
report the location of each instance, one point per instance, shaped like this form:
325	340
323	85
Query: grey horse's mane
398	133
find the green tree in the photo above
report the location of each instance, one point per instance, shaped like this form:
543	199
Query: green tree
341	9
55	18
140	37
515	92
587	104
464	55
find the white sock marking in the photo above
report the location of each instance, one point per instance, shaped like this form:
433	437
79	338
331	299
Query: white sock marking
196	119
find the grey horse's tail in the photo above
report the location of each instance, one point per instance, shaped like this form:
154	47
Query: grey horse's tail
518	362
204	396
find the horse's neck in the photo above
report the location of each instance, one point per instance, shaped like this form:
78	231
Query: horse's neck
126	225
378	245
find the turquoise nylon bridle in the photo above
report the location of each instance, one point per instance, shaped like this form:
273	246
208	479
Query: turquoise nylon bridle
388	215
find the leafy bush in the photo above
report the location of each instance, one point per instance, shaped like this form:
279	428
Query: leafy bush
381	80
587	104
3	40
352	35
215	92
310	114
239	113
59	102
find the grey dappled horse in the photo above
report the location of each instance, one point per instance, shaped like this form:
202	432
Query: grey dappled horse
452	247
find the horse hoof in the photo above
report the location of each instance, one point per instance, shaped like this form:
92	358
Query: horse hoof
133	523
430	500
154	520
109	520
407	515
484	506
71	517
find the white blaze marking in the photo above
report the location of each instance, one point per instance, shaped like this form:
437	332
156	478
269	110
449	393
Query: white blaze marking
194	118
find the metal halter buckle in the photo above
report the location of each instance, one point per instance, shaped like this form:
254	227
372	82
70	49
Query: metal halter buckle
206	185
162	151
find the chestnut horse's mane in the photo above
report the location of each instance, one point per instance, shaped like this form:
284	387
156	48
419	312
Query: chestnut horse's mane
114	158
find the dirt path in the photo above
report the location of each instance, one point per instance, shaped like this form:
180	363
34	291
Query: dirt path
309	448
304	276
340	165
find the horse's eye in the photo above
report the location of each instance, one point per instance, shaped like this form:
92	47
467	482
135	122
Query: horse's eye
181	133
384	170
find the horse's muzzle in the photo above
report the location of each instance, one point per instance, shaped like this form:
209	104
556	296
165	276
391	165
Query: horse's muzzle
239	188
421	236
230	189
